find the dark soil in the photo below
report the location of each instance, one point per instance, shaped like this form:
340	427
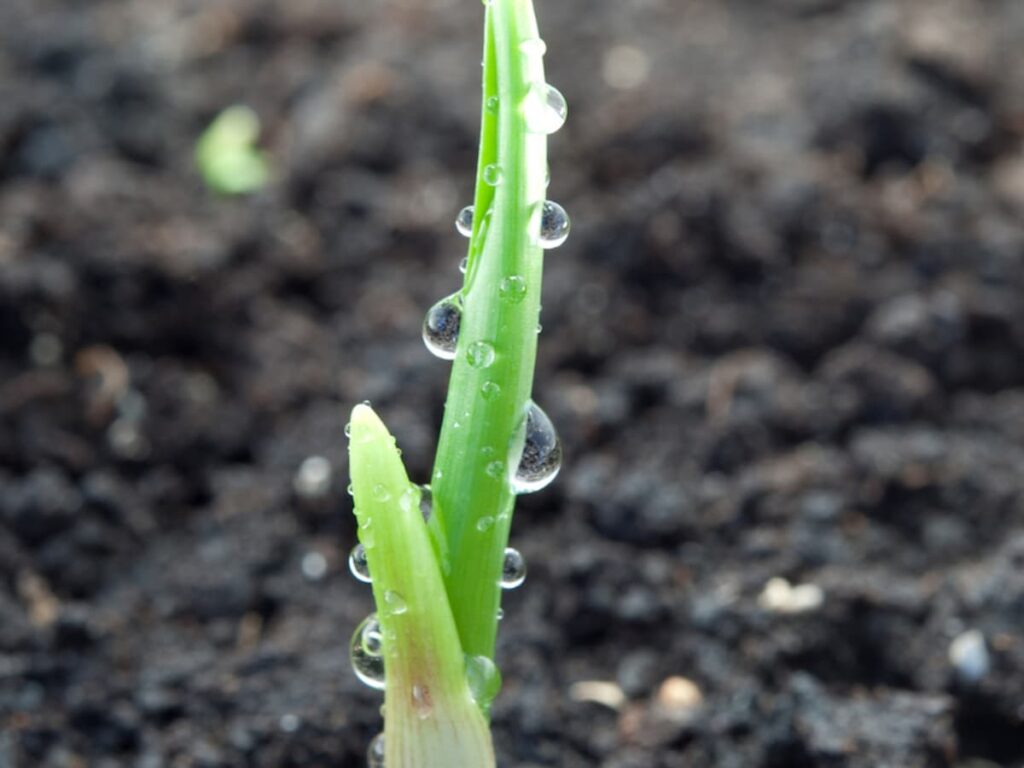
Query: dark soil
786	341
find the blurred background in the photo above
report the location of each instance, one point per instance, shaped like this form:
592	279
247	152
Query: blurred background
784	347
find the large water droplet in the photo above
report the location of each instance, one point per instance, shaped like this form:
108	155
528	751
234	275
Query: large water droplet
367	653
512	288
545	109
480	354
464	221
513	569
359	565
493	174
441	327
484	680
542	453
554	225
395	603
375	752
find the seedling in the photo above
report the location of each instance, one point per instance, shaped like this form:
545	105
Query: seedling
226	153
438	554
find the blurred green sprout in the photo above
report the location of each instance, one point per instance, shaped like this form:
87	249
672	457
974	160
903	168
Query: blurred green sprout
227	156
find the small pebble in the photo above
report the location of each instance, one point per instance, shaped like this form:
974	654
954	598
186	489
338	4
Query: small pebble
779	596
968	653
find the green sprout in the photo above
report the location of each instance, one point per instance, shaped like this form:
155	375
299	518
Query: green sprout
438	554
226	153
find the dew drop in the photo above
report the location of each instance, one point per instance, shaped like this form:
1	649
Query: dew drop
542	453
359	565
375	752
554	225
496	469
492	103
421	702
485	524
534	46
545	109
513	569
367	653
395	603
512	288
490	390
464	264
484	680
480	354
380	493
464	221
348	429
441	327
501	614
351	490
493	174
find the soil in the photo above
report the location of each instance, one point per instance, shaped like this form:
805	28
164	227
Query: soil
784	348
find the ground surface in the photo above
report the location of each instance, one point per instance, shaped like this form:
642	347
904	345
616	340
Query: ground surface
786	340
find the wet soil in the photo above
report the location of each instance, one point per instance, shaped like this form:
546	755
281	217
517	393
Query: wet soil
784	348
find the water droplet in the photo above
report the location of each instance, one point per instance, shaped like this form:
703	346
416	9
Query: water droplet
501	614
545	109
464	221
380	493
554	225
492	102
485	524
480	354
438	474
496	469
395	603
484	680
534	46
348	429
542	453
512	288
464	264
367	653
513	569
375	752
441	327
359	565
493	174
350	489
421	702
490	390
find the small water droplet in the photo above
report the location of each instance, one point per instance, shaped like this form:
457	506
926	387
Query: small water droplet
496	469
313	478
512	288
351	490
484	680
464	221
480	354
426	502
421	702
375	752
501	614
359	565
367	653
492	101
534	46
490	390
545	109
438	474
513	569
542	453
485	524
493	174
395	603
554	225
441	327
380	493
348	429
464	264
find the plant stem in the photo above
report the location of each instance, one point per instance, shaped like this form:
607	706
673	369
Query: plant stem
481	437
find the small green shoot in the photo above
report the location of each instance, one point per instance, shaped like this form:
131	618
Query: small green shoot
227	156
438	555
